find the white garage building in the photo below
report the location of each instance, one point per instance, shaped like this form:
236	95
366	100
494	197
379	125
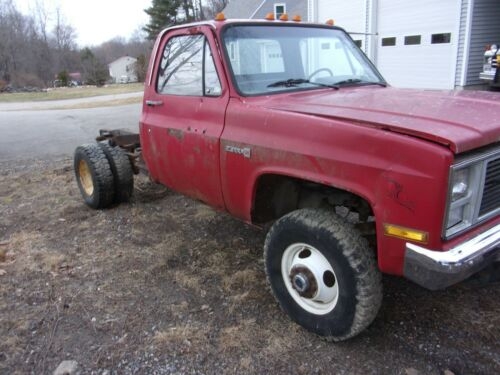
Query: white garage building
436	44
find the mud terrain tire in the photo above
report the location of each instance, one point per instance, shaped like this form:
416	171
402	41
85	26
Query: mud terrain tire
123	174
323	273
94	176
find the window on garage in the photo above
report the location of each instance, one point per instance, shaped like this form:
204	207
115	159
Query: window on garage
412	40
387	42
279	9
441	38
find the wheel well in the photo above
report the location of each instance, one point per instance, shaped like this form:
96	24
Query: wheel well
277	195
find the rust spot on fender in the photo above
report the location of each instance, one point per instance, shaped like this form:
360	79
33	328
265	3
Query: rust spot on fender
176	133
396	193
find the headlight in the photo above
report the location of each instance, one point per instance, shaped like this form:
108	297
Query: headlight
473	191
460	184
463	197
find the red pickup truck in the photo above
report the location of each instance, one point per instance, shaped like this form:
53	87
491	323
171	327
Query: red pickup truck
288	125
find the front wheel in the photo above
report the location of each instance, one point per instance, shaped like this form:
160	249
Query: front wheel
323	273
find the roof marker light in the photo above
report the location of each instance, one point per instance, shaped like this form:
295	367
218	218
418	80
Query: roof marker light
297	18
220	17
284	17
330	22
269	16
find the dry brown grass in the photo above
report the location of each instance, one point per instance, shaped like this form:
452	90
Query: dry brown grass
182	338
204	212
240	280
218	317
96	104
188	281
27	251
70	93
51	262
238	336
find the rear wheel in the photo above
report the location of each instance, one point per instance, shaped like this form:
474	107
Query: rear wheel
123	174
94	176
323	273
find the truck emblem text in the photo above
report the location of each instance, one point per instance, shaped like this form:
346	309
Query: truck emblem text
245	151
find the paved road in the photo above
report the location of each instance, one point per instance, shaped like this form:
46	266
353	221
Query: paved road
34	131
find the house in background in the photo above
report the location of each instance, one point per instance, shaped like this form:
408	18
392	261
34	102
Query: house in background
258	9
122	70
419	44
425	44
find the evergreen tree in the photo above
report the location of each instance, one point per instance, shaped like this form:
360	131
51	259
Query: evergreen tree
141	66
94	71
162	13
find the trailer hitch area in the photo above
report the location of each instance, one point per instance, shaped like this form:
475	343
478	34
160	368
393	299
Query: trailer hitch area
120	137
129	142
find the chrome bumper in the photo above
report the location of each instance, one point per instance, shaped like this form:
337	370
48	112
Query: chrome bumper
440	269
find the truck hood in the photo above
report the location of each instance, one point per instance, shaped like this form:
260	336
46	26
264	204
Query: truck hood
460	120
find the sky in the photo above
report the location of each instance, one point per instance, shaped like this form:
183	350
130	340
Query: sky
96	21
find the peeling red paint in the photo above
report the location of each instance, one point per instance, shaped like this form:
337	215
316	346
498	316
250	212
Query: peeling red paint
176	133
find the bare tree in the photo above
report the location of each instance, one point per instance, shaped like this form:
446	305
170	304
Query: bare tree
213	7
30	54
38	47
64	44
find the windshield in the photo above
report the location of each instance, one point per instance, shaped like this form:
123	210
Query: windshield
277	58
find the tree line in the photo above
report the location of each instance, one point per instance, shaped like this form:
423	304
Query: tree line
165	13
38	48
34	54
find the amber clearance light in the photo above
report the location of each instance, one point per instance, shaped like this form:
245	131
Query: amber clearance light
220	17
406	233
269	16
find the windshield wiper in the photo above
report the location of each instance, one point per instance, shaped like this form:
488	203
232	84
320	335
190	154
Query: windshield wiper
293	82
357	80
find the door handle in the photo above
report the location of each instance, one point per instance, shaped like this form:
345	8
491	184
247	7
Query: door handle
154	103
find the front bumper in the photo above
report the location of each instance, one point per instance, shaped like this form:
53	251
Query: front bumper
440	269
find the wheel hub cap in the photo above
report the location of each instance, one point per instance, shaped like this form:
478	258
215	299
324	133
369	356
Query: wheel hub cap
309	278
303	281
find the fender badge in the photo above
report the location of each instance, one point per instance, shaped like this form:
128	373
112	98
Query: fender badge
245	151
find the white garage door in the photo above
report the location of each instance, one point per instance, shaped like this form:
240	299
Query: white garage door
350	15
417	42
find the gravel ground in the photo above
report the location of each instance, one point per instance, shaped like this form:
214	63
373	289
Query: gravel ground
166	285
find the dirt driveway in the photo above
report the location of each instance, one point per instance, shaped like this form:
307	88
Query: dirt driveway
165	285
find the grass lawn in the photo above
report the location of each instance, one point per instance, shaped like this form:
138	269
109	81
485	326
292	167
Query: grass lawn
62	93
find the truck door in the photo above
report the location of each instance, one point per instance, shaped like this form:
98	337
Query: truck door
183	114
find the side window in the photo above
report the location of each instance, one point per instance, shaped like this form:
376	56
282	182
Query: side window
187	68
211	85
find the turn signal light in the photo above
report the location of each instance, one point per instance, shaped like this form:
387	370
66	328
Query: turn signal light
284	17
330	22
406	233
297	18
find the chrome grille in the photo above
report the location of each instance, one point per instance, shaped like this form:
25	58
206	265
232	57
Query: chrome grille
491	193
